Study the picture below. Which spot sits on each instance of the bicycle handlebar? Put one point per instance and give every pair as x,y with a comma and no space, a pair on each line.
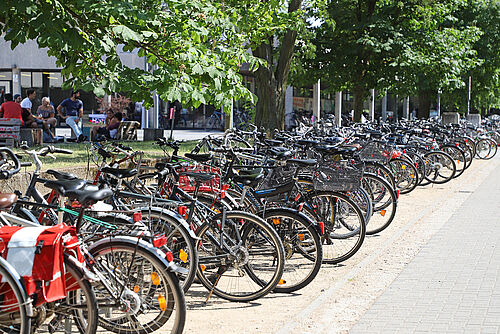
6,174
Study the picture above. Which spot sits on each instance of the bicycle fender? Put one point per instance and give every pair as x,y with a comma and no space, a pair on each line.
133,241
171,214
20,284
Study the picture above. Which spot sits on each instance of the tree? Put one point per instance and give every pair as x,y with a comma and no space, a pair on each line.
271,29
193,48
406,46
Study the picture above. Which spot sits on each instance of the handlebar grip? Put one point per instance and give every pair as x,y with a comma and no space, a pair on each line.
26,164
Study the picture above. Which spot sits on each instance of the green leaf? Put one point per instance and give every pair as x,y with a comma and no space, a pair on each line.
127,34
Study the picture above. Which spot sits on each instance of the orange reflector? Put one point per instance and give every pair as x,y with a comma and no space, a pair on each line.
281,282
276,221
412,176
301,237
403,167
136,289
183,255
155,278
382,212
203,267
162,303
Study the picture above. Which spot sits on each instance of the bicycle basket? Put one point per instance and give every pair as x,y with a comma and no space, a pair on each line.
374,152
187,183
277,176
338,177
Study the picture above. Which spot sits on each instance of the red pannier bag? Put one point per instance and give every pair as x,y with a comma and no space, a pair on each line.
37,255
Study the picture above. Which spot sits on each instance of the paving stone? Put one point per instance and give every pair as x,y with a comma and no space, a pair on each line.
453,284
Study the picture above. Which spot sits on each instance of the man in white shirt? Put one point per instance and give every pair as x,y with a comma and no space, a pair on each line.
26,103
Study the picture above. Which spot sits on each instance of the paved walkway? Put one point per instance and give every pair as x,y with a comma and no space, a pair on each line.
453,284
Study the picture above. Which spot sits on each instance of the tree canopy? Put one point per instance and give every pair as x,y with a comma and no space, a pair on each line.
193,47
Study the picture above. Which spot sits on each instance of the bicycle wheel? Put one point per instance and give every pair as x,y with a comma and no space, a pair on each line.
419,165
179,242
148,296
440,167
341,217
382,171
458,157
493,149
241,258
77,311
384,201
14,302
302,244
483,148
406,175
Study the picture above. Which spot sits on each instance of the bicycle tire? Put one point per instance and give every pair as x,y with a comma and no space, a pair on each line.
169,303
342,207
215,275
16,319
406,175
302,245
384,201
436,167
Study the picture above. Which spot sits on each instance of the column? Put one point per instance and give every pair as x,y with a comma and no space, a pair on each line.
316,101
338,109
406,107
16,81
371,106
384,107
231,115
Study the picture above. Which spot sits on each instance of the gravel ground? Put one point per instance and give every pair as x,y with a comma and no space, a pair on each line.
340,294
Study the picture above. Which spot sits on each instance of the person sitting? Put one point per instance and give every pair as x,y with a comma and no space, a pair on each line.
11,109
46,114
109,116
73,115
111,129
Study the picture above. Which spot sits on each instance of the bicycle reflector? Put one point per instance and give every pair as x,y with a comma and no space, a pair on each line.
159,241
137,217
225,187
170,256
322,227
182,210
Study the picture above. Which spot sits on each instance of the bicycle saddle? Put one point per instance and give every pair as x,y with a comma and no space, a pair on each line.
201,157
334,139
302,162
89,194
346,150
273,142
6,200
63,186
249,177
199,177
121,173
61,175
307,142
280,153
326,148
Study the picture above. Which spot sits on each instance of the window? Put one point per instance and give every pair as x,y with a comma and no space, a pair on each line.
26,79
55,79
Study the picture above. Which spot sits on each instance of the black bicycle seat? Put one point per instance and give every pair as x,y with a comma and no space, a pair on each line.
334,139
61,175
326,148
201,157
89,194
120,172
249,177
63,186
280,153
302,162
346,150
307,142
199,177
273,142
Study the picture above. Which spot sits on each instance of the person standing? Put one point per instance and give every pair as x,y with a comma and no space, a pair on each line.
73,108
27,102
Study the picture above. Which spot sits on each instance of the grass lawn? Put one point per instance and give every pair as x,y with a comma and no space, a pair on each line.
81,153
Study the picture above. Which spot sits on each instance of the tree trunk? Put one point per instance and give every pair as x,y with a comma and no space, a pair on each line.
359,95
424,103
272,79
